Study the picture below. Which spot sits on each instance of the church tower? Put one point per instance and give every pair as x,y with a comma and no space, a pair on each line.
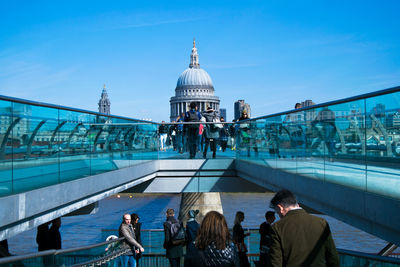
104,102
194,85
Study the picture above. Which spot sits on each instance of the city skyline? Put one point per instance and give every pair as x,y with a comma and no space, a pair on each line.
270,54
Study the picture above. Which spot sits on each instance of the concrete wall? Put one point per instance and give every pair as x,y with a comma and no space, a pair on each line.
377,215
26,210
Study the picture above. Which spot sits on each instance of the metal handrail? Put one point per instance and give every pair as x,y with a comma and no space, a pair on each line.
334,102
47,105
369,256
103,259
55,252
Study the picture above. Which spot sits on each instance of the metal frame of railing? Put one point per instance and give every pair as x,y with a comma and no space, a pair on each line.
42,104
54,252
385,259
108,257
330,103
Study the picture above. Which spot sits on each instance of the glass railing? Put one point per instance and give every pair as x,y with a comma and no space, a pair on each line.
154,255
176,140
353,142
101,252
42,144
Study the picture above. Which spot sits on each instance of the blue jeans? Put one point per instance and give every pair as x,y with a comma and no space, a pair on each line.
128,260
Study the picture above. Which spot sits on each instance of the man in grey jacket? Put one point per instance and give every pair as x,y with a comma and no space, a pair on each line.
126,230
211,132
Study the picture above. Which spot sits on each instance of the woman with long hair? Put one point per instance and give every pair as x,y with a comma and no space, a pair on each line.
213,245
238,239
137,228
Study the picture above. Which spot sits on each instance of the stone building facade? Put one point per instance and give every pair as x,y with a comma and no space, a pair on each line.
194,85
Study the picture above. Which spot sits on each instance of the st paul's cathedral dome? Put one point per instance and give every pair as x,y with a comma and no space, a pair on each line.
194,85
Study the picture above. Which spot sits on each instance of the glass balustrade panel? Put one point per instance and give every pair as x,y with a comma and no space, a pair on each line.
383,144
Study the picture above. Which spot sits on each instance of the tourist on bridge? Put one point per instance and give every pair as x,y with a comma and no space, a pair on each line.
213,246
265,238
172,135
136,229
211,132
163,132
173,244
238,239
223,135
192,226
42,236
126,230
300,239
180,134
192,130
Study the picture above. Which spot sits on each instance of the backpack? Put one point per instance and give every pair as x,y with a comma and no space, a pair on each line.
193,117
178,235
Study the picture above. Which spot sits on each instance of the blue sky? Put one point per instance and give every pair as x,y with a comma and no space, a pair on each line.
270,53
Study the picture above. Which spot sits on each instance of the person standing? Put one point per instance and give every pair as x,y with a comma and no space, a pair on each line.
192,130
298,238
223,135
232,134
211,133
213,246
192,226
54,234
172,135
265,237
163,131
180,134
137,226
238,239
126,230
42,237
174,251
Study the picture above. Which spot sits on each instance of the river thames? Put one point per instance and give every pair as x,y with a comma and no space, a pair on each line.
89,229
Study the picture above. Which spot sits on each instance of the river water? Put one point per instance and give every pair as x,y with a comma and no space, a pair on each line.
89,229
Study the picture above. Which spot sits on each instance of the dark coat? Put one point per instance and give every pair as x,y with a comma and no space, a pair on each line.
136,229
173,251
42,237
211,256
300,239
191,230
265,234
54,237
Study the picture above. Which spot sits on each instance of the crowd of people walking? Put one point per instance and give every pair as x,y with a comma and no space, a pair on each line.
297,239
198,137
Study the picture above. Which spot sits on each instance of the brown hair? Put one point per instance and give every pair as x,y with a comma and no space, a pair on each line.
170,212
213,228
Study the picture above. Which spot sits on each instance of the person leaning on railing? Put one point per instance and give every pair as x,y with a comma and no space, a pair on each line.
126,230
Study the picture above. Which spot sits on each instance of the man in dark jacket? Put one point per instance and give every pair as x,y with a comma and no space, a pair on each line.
54,236
192,129
265,237
174,252
300,239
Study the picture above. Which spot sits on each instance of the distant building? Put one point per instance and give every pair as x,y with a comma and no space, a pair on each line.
222,113
240,105
194,85
104,102
307,103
